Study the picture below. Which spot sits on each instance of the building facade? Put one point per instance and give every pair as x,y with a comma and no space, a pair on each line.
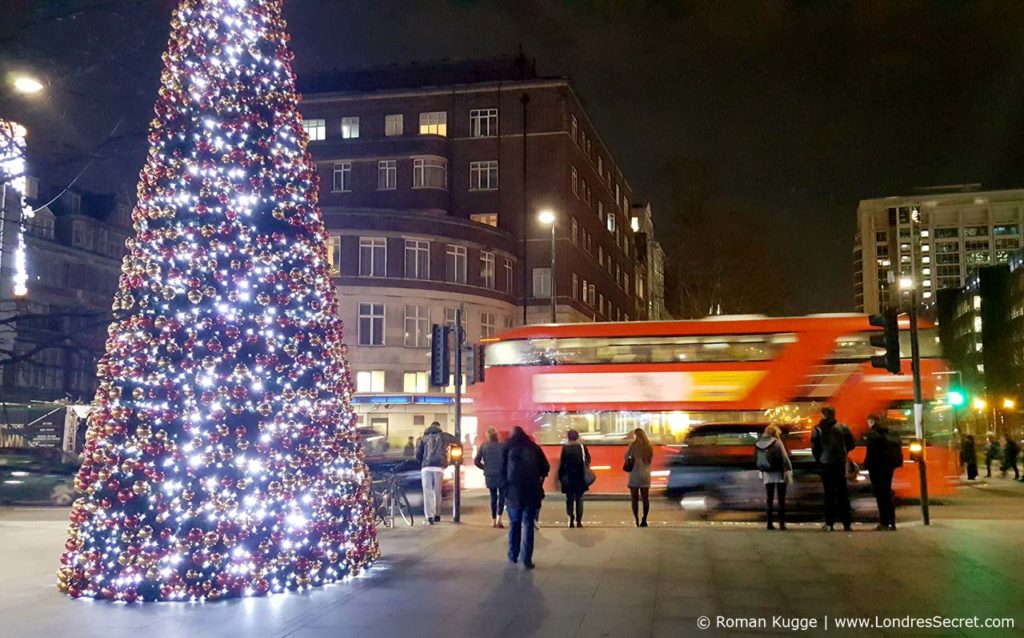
651,257
958,233
432,177
56,332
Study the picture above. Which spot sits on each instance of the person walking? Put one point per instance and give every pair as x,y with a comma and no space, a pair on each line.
432,453
638,460
573,466
1010,452
488,459
525,468
884,455
410,448
830,444
776,471
969,456
991,454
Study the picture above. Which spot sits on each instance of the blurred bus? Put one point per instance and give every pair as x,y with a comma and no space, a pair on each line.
606,379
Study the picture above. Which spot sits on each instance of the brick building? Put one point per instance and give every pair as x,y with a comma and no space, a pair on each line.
432,177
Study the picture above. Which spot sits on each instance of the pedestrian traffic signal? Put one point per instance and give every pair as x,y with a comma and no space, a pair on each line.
889,341
440,365
916,449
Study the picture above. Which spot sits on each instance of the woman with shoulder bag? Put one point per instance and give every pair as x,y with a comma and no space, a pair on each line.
776,471
575,476
638,460
489,459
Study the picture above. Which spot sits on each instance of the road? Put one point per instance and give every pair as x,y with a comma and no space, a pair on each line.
608,579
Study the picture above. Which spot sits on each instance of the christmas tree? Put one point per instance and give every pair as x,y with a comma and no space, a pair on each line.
223,460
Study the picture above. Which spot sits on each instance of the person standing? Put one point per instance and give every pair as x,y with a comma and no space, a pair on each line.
830,444
639,457
1010,452
776,471
410,448
991,454
432,453
488,459
969,456
884,455
525,468
572,469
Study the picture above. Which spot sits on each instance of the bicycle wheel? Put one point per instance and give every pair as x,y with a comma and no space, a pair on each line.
404,508
380,508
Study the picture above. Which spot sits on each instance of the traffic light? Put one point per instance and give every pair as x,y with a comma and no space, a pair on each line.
480,363
916,449
956,398
469,366
440,365
889,341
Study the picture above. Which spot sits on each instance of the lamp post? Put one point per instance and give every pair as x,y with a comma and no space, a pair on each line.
909,284
547,217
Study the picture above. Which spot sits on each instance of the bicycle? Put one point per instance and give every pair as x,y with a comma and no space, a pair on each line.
389,497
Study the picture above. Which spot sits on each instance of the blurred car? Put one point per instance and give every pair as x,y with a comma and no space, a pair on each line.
715,469
37,476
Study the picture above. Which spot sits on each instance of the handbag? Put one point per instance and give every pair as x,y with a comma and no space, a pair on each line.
588,474
627,465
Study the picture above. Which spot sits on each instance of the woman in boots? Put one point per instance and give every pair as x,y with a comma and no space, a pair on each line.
638,463
776,472
571,475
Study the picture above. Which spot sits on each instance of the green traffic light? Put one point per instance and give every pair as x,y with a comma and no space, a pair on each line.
956,398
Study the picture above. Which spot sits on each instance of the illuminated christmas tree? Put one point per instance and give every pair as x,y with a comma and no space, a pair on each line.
223,459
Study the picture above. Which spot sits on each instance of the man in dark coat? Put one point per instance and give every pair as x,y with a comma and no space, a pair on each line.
878,461
525,469
969,456
1010,451
830,443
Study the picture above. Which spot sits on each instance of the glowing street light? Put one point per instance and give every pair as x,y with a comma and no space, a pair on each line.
547,217
906,283
1009,404
27,85
980,404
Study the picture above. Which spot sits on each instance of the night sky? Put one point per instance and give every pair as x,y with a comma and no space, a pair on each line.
793,110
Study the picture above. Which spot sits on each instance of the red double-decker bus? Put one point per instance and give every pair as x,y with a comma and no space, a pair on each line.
606,379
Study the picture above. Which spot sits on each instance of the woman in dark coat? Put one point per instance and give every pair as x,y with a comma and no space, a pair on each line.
571,475
488,459
969,456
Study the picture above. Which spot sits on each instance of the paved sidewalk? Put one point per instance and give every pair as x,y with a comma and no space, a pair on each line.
605,580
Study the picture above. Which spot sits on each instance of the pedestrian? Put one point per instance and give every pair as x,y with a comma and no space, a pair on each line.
432,453
1010,452
831,442
991,454
573,466
410,448
776,471
969,456
488,459
467,448
638,460
884,455
525,468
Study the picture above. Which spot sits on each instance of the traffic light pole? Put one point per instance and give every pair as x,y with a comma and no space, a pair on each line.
457,497
915,362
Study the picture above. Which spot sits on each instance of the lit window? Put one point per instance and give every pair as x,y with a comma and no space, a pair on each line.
634,223
416,382
394,125
434,123
349,128
373,256
483,176
316,130
490,219
334,254
430,172
542,283
455,264
483,122
370,381
371,324
488,325
487,269
417,326
342,182
387,175
611,222
417,259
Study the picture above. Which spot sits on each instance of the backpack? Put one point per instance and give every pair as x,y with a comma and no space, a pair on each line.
770,459
893,449
435,450
522,467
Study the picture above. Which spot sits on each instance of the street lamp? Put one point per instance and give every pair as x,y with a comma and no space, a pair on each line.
1009,404
547,217
27,85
